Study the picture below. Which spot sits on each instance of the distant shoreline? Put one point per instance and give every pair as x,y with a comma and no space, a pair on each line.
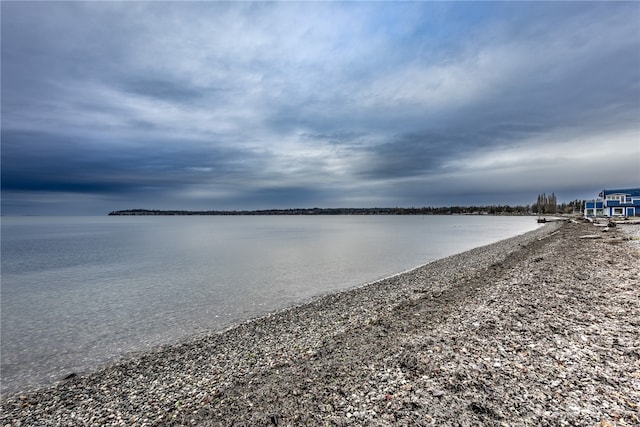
453,210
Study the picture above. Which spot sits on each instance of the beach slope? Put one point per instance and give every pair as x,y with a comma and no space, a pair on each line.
540,329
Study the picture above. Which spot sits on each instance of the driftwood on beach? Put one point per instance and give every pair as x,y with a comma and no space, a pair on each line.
540,329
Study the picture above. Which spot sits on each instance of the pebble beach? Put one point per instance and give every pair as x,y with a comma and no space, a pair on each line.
540,329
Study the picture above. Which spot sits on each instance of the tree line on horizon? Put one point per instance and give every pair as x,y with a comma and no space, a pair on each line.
549,205
449,210
545,204
427,210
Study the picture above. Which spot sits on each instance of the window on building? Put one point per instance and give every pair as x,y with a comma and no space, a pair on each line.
618,211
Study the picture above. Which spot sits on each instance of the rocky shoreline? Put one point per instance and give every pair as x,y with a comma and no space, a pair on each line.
540,329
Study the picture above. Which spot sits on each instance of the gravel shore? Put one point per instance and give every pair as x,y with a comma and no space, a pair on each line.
541,329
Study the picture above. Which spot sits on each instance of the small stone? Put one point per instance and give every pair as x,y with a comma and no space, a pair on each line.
437,392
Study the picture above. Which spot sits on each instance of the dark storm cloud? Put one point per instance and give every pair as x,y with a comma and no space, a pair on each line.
409,155
229,104
30,164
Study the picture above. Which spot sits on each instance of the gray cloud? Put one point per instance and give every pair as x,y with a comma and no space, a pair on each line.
55,163
364,103
163,90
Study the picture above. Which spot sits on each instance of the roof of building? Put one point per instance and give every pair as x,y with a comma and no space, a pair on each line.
633,192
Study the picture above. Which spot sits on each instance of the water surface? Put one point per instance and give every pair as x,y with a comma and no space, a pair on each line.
80,291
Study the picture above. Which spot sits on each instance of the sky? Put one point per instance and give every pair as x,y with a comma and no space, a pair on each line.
241,105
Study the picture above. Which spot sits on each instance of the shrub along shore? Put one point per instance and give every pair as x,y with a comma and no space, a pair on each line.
539,329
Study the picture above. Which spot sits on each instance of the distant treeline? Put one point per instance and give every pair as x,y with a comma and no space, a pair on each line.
543,205
450,210
549,205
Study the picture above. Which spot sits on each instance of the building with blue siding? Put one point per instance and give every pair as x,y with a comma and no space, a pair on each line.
621,202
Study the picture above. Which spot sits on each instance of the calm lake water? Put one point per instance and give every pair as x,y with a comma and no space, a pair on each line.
81,291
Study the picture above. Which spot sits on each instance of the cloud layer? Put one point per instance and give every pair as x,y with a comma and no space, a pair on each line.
109,105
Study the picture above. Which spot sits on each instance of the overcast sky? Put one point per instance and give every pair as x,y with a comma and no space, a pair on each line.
211,105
